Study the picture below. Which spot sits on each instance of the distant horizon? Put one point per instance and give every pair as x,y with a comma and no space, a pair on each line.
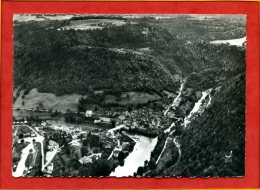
64,16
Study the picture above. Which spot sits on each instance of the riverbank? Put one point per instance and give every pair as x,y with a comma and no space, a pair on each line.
137,158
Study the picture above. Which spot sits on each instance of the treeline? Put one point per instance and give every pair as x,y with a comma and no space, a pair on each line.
85,17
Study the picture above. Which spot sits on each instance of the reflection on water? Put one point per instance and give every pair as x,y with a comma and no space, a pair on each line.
142,151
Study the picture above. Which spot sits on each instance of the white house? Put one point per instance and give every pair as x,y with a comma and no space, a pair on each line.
89,113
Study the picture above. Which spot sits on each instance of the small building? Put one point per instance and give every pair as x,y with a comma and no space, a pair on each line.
116,152
53,145
43,124
121,117
117,149
125,145
228,158
74,137
105,119
89,159
75,143
49,169
85,160
108,146
89,113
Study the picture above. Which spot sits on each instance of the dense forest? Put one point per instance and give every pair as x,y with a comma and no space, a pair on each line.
205,27
142,57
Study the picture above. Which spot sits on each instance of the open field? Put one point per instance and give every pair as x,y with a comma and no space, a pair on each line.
90,24
48,100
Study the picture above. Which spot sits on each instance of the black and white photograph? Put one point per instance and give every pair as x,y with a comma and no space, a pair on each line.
129,95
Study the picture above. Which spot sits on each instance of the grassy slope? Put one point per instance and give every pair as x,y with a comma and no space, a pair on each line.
48,100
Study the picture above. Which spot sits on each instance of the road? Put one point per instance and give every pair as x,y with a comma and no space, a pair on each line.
21,168
176,100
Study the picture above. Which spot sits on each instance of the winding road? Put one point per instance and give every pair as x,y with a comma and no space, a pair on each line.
176,100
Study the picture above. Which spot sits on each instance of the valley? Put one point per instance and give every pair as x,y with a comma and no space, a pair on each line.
127,96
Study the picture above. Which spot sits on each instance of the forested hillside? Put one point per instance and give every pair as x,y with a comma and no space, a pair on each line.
69,61
158,77
205,27
211,137
142,57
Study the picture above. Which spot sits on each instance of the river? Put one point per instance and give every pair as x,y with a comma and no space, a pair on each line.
144,145
142,152
235,42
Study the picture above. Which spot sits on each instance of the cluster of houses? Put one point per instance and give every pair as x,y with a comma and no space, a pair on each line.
109,139
121,147
64,130
56,134
142,119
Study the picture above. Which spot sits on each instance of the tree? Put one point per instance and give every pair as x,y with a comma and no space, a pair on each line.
113,123
82,105
121,156
29,158
85,142
95,150
86,170
140,171
102,168
152,165
93,140
41,106
84,151
20,136
67,150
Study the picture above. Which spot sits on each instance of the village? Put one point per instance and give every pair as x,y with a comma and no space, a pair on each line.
98,140
61,148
